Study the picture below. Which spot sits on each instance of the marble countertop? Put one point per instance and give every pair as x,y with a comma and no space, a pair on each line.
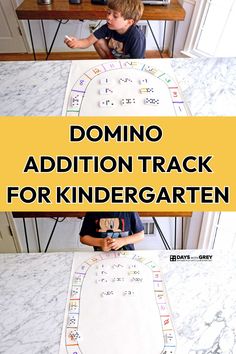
38,88
202,296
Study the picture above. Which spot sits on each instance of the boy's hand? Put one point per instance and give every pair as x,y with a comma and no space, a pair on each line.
117,243
106,244
71,42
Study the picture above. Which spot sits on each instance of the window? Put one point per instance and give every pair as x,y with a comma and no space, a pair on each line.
218,231
149,228
212,27
225,235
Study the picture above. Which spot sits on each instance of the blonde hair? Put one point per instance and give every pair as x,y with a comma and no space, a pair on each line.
129,9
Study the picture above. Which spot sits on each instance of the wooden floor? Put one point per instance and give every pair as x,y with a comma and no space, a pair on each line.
68,56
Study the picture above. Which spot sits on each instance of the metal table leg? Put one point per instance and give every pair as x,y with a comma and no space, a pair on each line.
37,232
26,236
31,38
44,37
164,36
175,236
173,40
48,52
163,39
167,247
54,38
50,237
153,35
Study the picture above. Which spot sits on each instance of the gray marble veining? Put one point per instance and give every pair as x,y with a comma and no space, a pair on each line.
208,85
32,301
38,88
33,88
202,296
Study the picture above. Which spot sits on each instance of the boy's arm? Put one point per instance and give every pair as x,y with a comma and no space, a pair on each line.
117,243
103,243
73,42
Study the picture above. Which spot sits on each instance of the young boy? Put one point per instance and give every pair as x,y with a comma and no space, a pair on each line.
107,231
119,37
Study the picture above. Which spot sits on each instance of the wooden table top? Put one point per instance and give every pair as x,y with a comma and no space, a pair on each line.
62,9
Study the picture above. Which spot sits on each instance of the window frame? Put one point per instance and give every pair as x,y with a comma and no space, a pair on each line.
200,12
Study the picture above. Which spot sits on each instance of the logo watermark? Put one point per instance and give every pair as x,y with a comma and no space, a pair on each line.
187,257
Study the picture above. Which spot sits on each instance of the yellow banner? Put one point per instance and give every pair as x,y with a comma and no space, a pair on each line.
117,163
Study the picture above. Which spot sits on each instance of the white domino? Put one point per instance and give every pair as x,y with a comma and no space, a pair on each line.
72,321
76,100
67,37
146,90
143,81
169,338
105,91
73,336
104,81
75,291
168,350
152,101
106,103
127,101
125,80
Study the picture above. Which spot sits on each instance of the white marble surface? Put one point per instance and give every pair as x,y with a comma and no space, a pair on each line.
33,88
202,296
32,301
38,88
208,85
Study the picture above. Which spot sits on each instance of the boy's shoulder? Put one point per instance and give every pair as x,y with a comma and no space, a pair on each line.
135,31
